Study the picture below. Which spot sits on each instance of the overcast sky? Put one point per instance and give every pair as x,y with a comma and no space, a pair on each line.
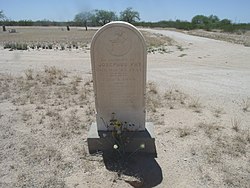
150,10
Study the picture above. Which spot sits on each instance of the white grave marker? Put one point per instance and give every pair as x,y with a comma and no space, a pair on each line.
118,58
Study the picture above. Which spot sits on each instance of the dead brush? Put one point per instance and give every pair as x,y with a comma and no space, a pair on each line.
210,129
152,88
52,113
29,74
234,146
154,40
74,123
247,133
153,102
90,112
183,132
218,111
7,84
76,80
174,98
26,116
83,96
53,75
195,104
212,154
246,105
236,123
153,98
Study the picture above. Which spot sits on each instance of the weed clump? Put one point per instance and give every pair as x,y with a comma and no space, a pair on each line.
16,46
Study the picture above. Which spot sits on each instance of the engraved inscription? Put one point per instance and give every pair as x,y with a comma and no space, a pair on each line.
117,42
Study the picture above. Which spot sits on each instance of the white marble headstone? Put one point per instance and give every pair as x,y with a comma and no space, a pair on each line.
119,60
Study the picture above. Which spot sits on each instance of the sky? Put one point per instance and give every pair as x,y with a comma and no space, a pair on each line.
238,11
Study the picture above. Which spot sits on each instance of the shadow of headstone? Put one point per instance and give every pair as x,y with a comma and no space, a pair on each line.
143,167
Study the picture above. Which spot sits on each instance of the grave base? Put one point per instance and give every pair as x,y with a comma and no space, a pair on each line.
103,140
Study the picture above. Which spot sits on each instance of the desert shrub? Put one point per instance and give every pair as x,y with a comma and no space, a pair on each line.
236,123
50,46
153,97
195,104
246,104
16,46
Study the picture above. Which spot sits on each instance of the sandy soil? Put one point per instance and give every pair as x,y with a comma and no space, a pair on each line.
198,97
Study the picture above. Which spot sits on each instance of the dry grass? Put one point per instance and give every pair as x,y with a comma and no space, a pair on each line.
246,105
218,111
153,100
51,114
236,123
157,40
195,104
58,38
210,129
182,55
243,39
226,155
183,132
175,98
45,134
48,35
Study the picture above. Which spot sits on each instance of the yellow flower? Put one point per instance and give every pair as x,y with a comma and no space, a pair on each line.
142,146
118,124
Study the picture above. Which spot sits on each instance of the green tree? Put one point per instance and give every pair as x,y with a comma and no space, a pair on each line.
213,19
200,20
129,15
83,18
2,16
227,26
225,22
102,16
2,20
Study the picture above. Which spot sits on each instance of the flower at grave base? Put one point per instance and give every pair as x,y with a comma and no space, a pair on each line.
115,146
118,124
142,146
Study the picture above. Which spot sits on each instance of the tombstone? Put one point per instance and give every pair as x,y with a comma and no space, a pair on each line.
119,61
4,28
68,29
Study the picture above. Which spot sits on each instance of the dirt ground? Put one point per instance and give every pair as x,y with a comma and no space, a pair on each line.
198,96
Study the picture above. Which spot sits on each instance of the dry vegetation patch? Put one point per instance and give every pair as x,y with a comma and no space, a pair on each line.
240,38
49,114
44,120
41,38
58,38
157,42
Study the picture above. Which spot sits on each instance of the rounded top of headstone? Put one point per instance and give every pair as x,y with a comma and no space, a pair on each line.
118,36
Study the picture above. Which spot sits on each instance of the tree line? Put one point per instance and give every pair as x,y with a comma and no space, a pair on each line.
102,17
87,18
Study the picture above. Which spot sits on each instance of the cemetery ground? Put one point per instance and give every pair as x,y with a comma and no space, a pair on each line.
198,96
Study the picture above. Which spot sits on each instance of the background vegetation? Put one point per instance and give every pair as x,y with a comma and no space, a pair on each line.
101,17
